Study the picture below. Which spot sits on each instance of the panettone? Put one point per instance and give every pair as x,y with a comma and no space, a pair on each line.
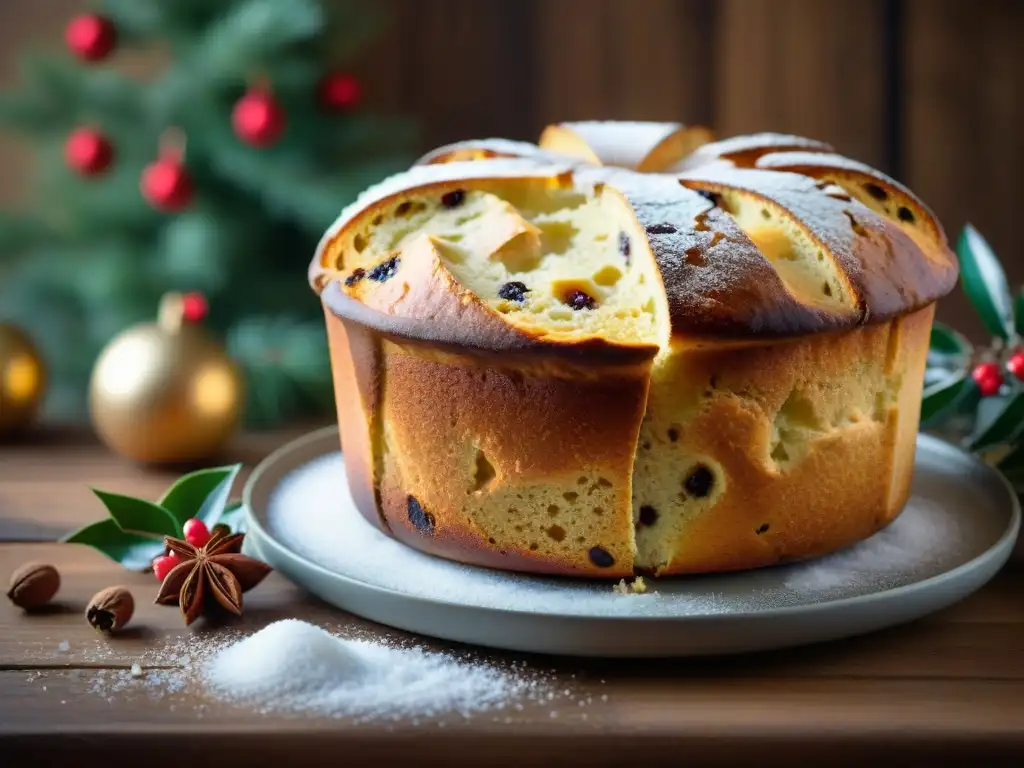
631,347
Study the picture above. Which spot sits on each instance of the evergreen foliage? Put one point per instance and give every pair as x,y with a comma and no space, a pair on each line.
92,257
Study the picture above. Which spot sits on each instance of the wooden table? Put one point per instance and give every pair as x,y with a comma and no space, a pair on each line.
949,687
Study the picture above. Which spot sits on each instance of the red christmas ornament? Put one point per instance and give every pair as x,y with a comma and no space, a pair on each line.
1015,364
339,91
193,310
88,152
258,118
988,378
90,37
167,184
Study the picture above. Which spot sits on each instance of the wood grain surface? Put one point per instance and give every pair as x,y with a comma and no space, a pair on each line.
949,686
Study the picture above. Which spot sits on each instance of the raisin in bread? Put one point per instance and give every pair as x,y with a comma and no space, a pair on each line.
631,347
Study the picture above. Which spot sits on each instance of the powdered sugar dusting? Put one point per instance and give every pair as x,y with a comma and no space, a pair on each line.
311,514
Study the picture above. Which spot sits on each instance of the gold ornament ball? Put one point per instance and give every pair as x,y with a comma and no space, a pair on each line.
166,392
23,378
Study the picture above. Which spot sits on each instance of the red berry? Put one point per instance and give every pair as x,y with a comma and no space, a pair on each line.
988,378
1015,365
90,37
339,91
196,532
193,308
259,119
88,152
164,564
167,184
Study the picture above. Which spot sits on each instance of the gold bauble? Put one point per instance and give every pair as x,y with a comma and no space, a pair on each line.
22,379
166,392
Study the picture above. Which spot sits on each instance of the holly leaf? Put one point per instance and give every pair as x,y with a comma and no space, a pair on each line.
138,515
1004,426
133,551
202,494
940,399
946,342
984,281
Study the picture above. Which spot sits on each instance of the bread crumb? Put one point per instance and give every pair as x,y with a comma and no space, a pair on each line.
136,670
636,587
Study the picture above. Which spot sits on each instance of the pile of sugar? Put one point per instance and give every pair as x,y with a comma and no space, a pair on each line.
312,514
292,666
296,668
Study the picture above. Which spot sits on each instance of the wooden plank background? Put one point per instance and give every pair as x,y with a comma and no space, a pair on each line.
931,91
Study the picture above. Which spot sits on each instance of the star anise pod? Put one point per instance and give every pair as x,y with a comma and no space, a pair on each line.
217,570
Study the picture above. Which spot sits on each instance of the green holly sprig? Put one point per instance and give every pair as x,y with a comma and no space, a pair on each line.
959,375
133,533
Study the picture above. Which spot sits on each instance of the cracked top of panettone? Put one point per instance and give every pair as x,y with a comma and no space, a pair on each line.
621,237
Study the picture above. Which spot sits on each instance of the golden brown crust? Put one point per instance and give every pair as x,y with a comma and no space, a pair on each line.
887,271
647,147
851,482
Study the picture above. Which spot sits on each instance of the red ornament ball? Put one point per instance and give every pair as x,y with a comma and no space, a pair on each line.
1015,364
339,91
88,152
258,119
164,564
90,37
194,309
988,378
167,184
196,532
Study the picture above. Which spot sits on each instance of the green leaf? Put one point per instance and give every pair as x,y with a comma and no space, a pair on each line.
202,494
1003,427
984,281
947,342
131,550
138,515
940,399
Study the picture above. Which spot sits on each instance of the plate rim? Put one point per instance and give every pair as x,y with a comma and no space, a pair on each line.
1000,550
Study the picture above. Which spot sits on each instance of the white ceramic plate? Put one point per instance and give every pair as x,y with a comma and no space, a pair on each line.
956,532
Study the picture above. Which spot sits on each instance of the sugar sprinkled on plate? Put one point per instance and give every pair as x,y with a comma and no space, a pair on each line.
310,512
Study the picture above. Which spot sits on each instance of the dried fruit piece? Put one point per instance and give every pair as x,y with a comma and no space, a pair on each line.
33,585
453,199
513,291
579,300
600,557
110,609
660,229
624,245
700,481
421,519
357,274
876,192
648,515
385,270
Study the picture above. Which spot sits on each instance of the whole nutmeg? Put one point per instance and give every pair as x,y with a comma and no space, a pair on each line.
110,609
33,585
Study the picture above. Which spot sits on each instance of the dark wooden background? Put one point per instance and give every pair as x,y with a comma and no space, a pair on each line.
931,91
